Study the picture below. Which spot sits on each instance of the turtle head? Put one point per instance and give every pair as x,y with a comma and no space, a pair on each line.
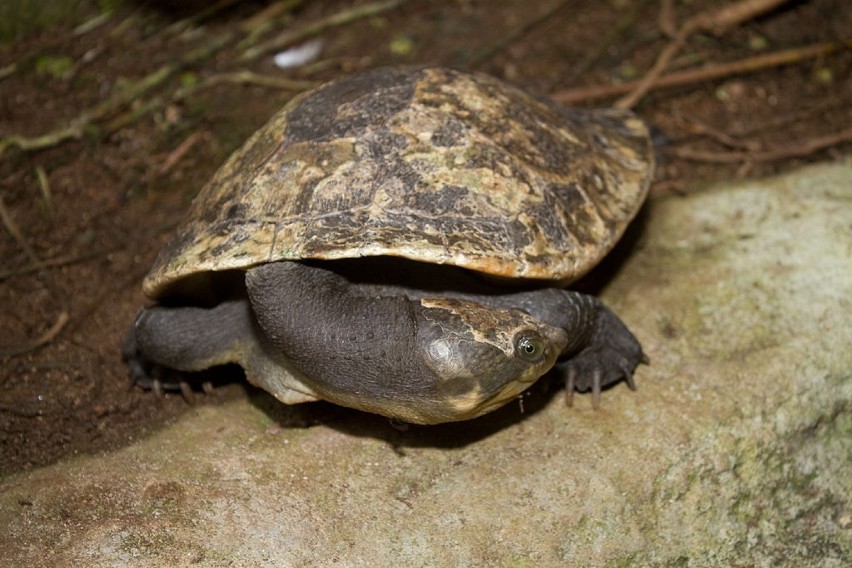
481,356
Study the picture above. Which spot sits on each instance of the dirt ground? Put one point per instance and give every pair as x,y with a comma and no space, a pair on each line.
155,102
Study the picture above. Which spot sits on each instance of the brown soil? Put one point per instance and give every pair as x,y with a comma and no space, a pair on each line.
110,197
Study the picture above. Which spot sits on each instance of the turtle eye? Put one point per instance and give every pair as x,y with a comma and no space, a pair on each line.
530,347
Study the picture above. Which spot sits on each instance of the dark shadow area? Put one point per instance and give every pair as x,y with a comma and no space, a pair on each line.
400,435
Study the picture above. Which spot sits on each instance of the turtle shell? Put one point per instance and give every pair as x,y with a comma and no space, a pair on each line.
430,164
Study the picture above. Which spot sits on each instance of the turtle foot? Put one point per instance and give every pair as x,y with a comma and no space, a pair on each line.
612,354
148,375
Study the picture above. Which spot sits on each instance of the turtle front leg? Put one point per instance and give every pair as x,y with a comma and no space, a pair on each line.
609,354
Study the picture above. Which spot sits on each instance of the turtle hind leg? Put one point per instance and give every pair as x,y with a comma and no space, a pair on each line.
611,354
149,375
165,346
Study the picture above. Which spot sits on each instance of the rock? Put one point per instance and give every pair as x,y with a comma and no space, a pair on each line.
736,449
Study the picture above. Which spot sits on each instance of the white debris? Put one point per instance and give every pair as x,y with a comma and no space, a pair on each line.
299,55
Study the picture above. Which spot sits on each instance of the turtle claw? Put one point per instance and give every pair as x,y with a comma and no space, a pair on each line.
596,389
628,378
611,355
570,382
591,370
186,392
148,375
152,378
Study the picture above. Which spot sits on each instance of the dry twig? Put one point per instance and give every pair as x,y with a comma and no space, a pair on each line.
246,77
810,111
19,411
265,20
489,51
45,338
8,70
706,73
98,116
118,100
178,153
93,23
16,234
716,22
44,187
696,127
290,37
53,263
626,22
666,20
182,93
798,150
84,120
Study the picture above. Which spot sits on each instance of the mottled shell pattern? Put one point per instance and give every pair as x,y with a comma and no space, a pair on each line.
430,164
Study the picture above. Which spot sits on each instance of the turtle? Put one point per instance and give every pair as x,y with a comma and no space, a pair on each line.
399,241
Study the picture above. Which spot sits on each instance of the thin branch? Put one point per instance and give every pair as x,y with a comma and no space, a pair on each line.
696,127
93,23
200,16
246,77
44,187
720,21
489,51
799,150
16,234
265,20
8,70
717,22
182,150
626,22
19,411
238,77
84,120
53,263
118,100
666,20
703,74
43,340
290,37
